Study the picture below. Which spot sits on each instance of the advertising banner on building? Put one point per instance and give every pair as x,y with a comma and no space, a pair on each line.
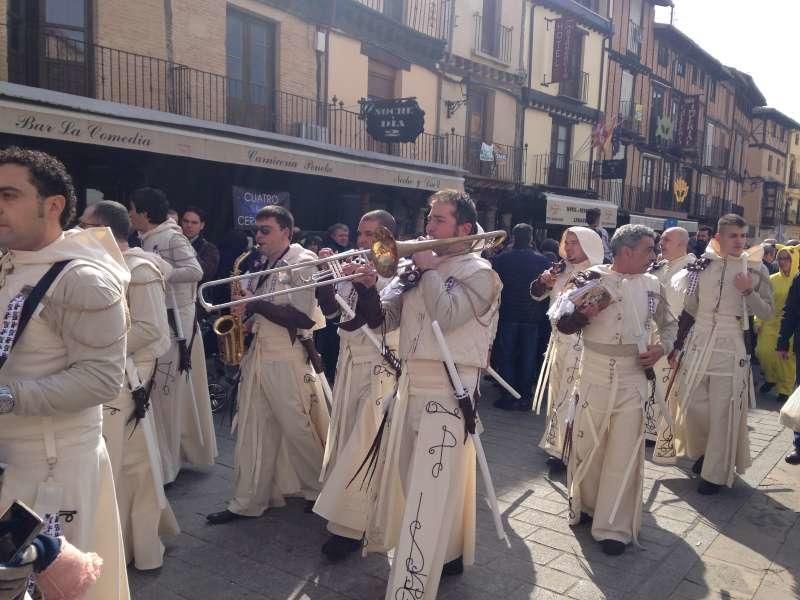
566,29
247,202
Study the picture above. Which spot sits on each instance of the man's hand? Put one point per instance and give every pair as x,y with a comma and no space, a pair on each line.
325,253
368,276
649,358
426,260
784,354
743,283
548,278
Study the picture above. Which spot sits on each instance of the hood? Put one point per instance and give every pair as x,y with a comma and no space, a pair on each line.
754,254
590,241
95,245
167,225
160,263
794,253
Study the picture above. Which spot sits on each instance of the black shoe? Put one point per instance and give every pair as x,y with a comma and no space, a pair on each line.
793,458
225,516
585,519
612,547
308,507
337,548
781,398
697,467
454,567
766,387
555,465
706,488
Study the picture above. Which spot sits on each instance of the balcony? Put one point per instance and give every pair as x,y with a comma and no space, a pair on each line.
431,17
103,73
495,161
794,180
706,208
717,158
492,39
634,38
576,88
558,170
631,123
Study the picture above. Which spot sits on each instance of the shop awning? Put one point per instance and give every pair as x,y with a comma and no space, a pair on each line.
570,210
662,223
53,115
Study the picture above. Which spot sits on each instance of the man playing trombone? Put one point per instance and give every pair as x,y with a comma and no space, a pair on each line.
281,407
431,521
364,377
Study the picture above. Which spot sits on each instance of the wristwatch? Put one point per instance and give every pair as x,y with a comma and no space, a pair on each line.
7,400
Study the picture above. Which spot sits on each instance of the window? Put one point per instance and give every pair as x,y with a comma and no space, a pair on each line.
381,80
702,78
250,58
774,129
695,74
712,90
783,134
779,167
797,139
626,94
769,163
560,149
709,144
593,5
663,55
680,68
648,169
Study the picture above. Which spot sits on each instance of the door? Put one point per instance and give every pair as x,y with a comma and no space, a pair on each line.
251,50
479,131
574,86
489,27
560,148
656,112
645,199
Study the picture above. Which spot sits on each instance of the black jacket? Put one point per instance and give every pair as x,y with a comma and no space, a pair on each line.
790,322
517,269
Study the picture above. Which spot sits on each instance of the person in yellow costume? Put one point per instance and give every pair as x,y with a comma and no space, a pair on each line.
778,373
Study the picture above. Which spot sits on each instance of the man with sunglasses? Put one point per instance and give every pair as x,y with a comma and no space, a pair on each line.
282,417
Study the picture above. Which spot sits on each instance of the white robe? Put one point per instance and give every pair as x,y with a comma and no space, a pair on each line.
181,405
66,364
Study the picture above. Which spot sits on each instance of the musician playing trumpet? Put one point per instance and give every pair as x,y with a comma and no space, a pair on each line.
365,376
282,413
580,249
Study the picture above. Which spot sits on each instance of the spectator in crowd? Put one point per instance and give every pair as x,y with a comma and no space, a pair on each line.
517,345
790,334
311,242
338,238
704,233
593,221
770,253
549,247
778,373
193,222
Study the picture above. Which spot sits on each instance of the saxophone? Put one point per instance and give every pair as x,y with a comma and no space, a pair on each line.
229,328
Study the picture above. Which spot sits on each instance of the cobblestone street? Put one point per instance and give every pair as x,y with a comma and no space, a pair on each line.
744,543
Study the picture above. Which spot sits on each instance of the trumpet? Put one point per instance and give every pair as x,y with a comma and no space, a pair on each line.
384,254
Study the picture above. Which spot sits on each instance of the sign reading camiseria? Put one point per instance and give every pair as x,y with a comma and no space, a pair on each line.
393,121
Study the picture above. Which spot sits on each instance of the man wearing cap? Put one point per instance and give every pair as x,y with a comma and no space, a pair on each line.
580,249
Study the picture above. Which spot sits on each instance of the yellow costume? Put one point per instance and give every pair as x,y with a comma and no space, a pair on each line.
776,370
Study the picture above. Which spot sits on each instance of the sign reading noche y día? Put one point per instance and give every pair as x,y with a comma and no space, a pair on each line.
67,125
399,120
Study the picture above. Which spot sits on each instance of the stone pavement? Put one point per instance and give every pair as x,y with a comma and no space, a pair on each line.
744,543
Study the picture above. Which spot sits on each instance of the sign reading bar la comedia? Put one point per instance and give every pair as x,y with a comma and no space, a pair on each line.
393,121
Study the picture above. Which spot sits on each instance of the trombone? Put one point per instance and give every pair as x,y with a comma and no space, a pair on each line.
384,254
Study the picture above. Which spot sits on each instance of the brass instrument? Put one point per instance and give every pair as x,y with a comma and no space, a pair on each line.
229,328
384,255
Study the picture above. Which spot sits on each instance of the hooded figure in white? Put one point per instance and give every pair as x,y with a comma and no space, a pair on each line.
68,361
580,249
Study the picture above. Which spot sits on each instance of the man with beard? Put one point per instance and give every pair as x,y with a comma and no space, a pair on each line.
364,378
62,351
145,513
424,503
714,385
580,249
626,327
181,405
704,234
282,417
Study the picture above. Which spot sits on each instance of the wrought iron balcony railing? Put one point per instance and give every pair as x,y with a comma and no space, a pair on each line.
493,39
558,170
716,157
634,38
706,208
794,180
630,118
431,17
113,75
